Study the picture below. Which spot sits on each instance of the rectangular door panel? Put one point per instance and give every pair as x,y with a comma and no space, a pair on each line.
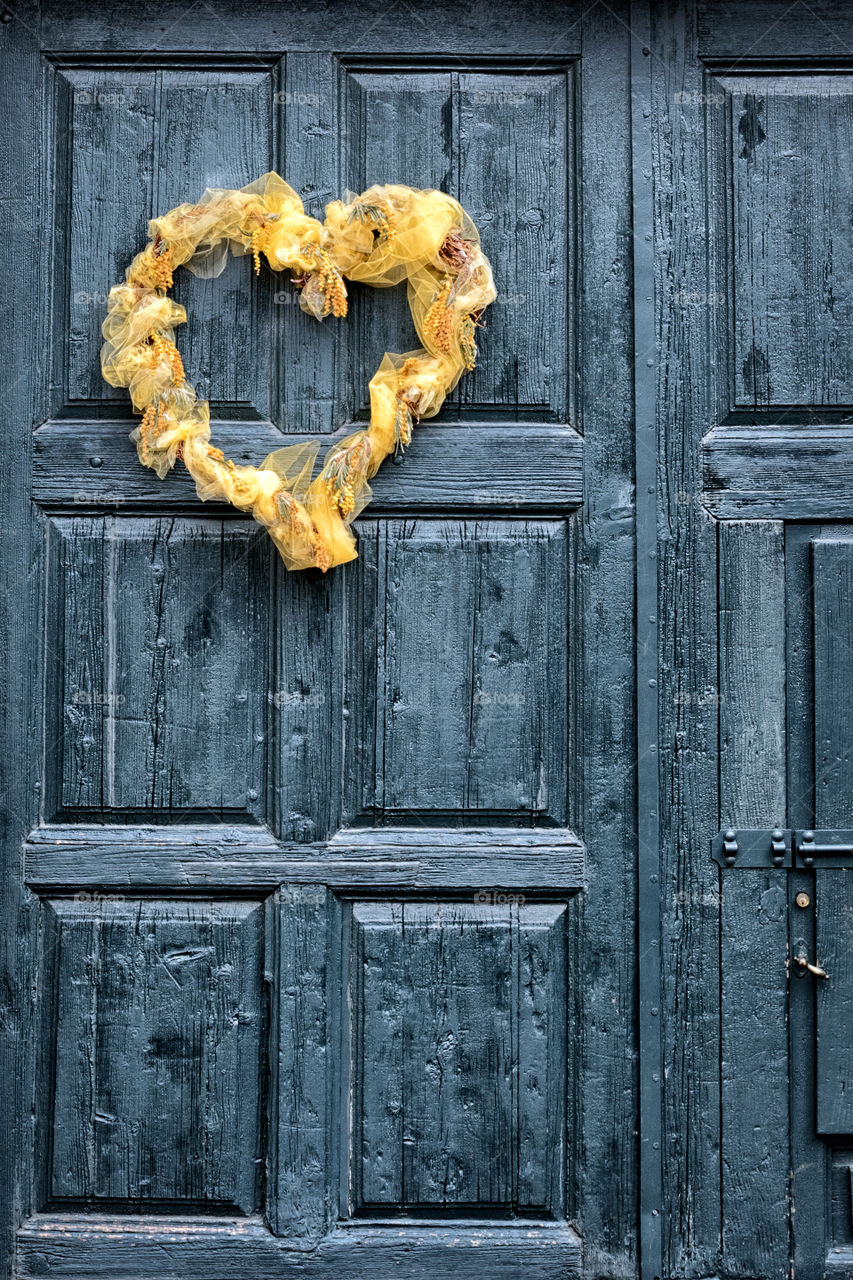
460,1056
157,669
465,616
832,559
155,1054
834,949
132,142
783,136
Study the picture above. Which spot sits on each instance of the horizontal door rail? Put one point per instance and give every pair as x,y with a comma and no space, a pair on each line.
507,468
800,472
489,862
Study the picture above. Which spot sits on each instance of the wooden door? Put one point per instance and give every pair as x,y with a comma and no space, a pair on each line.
323,887
753,106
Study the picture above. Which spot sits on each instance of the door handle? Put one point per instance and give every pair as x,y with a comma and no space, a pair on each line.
804,965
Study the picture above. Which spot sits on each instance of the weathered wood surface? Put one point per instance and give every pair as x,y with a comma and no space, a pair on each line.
448,466
158,631
832,594
602,737
518,124
790,308
753,904
197,1249
138,143
196,762
688,711
809,1192
157,1066
774,29
375,674
301,923
771,400
482,729
196,857
752,674
779,472
477,130
459,1017
834,952
481,29
22,277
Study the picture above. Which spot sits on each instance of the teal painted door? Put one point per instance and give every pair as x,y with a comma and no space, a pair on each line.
753,108
309,981
453,912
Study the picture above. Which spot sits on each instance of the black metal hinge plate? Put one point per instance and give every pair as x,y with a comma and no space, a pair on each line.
756,848
751,847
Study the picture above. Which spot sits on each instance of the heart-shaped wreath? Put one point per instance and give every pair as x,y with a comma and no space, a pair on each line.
387,235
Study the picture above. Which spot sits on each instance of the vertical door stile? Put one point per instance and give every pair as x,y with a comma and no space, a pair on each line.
648,830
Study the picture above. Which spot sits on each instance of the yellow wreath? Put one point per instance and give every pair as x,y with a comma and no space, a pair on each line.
386,235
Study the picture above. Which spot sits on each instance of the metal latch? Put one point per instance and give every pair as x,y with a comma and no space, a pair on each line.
802,963
751,847
830,845
756,848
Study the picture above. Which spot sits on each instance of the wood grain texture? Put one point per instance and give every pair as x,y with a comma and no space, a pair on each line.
187,856
215,129
832,567
106,124
23,275
307,134
809,1193
687,612
383,110
481,28
755,1150
138,143
779,472
157,1055
516,160
834,946
124,1249
753,904
602,1186
468,623
306,713
752,674
539,582
841,1190
159,634
459,1012
773,29
791,255
482,127
300,923
479,467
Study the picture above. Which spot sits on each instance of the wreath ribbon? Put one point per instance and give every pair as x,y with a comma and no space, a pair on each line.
382,237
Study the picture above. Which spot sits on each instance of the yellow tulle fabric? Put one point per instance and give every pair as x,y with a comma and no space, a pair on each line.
384,236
